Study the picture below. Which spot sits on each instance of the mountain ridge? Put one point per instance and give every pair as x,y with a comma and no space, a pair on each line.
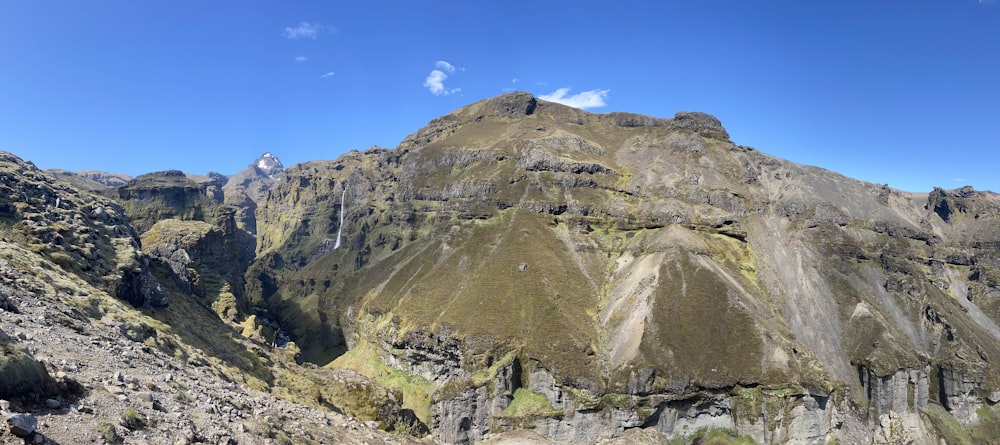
516,160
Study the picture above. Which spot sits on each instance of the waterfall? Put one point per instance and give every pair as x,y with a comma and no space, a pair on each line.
340,229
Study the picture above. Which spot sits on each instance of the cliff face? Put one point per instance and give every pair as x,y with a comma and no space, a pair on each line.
634,272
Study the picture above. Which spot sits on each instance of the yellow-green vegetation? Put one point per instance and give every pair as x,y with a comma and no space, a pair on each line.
225,304
249,328
716,436
131,419
986,430
109,433
529,404
416,390
347,391
175,231
747,403
510,267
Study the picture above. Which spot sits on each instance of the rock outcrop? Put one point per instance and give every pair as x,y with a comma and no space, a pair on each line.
83,233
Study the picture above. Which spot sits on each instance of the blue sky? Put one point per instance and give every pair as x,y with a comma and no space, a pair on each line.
904,92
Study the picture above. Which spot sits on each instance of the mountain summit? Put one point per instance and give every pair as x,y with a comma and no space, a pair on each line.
269,165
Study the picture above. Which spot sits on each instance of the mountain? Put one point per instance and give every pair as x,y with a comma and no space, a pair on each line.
625,271
519,271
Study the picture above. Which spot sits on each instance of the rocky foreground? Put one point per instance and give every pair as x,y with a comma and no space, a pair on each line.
71,377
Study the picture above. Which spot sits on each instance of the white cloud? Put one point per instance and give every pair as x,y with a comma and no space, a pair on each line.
583,99
442,65
300,59
435,80
328,75
304,30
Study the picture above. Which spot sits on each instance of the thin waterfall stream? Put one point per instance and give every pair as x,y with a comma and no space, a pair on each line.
340,229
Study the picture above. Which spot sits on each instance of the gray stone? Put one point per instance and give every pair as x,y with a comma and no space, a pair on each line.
22,425
52,403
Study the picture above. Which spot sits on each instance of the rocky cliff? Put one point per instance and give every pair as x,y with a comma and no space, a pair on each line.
620,271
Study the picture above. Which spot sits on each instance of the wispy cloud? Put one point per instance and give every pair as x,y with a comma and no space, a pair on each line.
300,59
987,2
583,99
513,82
442,65
328,75
304,30
435,80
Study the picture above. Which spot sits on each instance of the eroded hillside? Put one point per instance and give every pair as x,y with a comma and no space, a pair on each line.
635,272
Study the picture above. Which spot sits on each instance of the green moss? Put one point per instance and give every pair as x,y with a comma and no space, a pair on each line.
716,436
109,433
416,390
527,403
748,403
988,428
175,231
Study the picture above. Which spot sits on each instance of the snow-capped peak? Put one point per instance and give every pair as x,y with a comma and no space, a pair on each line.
269,164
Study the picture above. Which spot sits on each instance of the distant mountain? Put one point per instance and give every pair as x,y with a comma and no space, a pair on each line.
108,179
92,180
268,165
248,187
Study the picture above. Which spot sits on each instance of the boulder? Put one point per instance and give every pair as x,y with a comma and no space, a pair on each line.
22,425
